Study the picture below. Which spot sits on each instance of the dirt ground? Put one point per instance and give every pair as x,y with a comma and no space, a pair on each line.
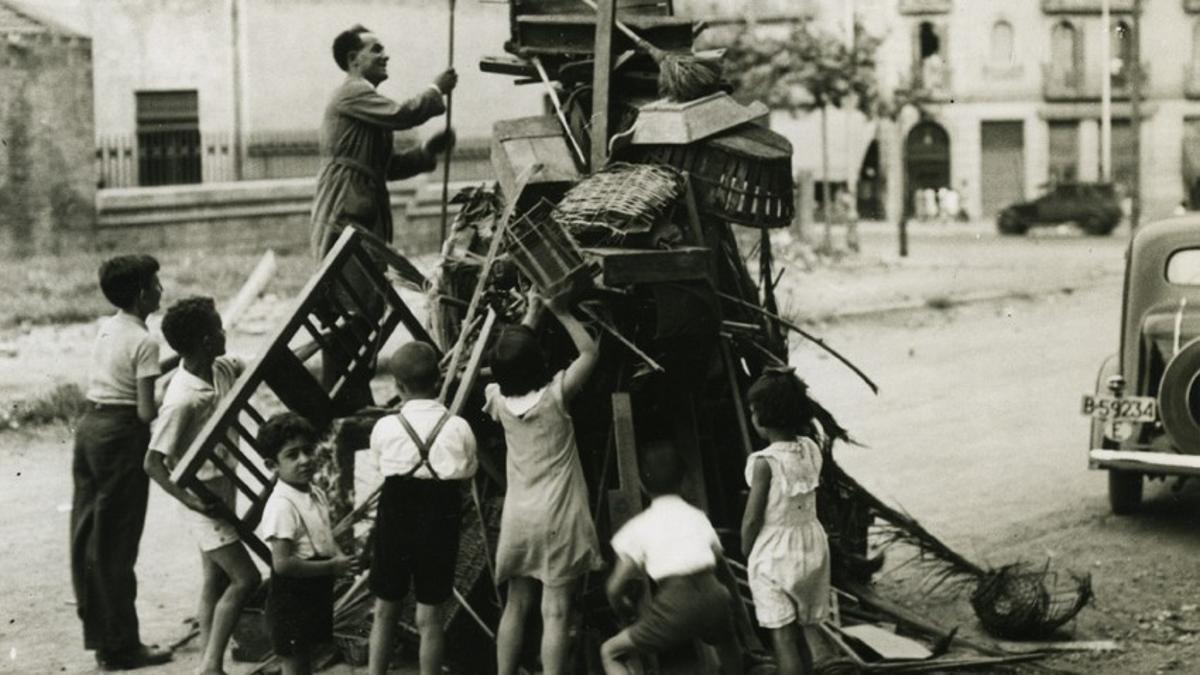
981,347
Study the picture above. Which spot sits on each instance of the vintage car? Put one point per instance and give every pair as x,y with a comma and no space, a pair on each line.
1146,407
1092,206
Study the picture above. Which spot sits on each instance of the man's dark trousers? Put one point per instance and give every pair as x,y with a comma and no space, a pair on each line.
107,518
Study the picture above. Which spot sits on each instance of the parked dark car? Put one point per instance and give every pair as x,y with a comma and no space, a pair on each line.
1146,407
1092,206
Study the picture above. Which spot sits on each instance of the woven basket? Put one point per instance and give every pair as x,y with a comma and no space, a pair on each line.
1023,602
622,199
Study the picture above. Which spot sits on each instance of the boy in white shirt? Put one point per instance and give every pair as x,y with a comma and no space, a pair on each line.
305,559
425,455
673,543
192,327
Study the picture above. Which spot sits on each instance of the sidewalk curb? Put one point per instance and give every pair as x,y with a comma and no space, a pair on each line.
944,302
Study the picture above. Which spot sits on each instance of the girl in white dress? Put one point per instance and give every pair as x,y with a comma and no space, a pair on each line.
785,546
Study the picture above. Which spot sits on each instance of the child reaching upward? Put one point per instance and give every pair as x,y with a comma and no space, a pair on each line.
547,537
193,328
305,559
785,546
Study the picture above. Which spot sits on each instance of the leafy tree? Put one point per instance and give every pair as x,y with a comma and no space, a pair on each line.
805,68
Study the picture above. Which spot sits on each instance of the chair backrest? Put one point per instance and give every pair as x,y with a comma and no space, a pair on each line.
332,312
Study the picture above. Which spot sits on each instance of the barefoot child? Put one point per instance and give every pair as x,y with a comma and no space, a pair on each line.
108,510
192,327
547,537
673,543
305,559
425,455
785,546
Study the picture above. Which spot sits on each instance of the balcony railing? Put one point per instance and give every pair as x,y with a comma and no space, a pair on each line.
925,6
1084,6
1084,84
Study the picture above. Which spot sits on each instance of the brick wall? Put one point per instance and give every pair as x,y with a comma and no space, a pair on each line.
47,174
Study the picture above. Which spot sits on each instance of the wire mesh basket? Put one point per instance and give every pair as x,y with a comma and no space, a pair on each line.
1025,602
622,199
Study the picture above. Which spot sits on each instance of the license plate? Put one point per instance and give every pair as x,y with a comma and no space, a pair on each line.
1122,409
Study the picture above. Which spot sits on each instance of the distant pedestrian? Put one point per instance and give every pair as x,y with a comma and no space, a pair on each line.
305,559
784,543
192,327
547,537
674,544
358,160
108,510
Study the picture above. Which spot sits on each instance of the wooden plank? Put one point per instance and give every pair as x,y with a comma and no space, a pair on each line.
526,127
634,266
625,501
296,387
606,12
484,272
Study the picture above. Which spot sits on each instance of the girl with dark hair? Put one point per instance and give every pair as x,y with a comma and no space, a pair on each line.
547,537
786,549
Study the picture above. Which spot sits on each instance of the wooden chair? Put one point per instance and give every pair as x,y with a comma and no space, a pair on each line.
347,310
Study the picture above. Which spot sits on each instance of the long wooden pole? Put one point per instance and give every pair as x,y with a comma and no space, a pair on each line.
606,14
449,148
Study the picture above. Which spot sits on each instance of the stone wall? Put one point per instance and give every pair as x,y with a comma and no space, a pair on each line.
47,174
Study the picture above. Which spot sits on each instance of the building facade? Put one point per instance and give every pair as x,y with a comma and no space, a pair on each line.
47,187
1016,99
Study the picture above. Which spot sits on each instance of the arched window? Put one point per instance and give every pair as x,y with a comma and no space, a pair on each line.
1064,53
1002,43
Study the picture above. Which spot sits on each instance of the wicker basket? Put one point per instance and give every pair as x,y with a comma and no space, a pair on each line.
622,199
743,176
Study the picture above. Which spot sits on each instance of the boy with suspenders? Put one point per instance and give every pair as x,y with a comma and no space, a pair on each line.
424,454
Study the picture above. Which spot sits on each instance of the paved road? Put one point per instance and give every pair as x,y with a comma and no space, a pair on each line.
976,426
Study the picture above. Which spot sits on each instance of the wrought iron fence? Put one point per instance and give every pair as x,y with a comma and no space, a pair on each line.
163,157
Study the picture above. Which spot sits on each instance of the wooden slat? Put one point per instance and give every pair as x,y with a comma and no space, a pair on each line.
634,266
624,502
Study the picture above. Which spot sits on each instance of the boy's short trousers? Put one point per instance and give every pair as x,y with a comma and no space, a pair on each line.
416,539
684,608
299,612
211,534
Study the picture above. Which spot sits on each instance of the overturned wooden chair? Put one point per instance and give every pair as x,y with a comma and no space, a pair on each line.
348,310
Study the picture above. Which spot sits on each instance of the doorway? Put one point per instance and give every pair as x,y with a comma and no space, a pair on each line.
926,160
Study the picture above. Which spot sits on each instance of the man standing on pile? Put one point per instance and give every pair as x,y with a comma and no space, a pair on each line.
358,160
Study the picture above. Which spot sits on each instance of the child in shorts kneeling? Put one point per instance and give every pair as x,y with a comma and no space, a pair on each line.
673,543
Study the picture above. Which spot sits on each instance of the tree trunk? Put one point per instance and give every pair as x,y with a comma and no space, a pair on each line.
827,245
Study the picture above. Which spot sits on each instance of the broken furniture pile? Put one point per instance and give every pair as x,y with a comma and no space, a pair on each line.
643,243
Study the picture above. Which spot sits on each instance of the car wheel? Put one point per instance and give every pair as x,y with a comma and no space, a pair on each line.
1124,491
1097,226
1010,223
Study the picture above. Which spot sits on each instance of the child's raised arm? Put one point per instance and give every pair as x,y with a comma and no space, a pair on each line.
581,368
756,505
